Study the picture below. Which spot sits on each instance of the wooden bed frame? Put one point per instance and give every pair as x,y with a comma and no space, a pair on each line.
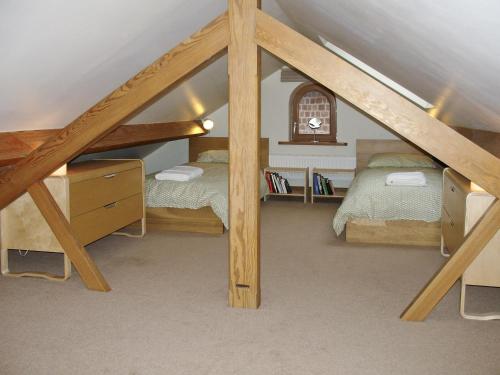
202,220
392,232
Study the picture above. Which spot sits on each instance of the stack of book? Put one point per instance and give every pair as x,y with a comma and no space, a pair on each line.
322,185
278,184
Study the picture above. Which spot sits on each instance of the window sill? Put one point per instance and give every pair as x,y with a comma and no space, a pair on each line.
311,143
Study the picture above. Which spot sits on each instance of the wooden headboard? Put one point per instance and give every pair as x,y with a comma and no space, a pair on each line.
200,144
365,148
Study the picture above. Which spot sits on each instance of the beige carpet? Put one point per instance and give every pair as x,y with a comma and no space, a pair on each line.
327,308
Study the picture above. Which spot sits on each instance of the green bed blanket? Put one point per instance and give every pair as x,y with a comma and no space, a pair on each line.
370,198
210,189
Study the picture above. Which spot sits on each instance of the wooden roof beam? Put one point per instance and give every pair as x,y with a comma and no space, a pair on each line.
109,112
410,122
14,146
380,102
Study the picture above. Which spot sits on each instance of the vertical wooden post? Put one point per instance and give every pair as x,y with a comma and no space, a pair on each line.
244,135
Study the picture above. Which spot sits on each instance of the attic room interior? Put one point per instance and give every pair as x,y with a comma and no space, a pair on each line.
246,186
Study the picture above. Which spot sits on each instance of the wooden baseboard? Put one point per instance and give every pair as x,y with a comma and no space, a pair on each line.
202,220
394,232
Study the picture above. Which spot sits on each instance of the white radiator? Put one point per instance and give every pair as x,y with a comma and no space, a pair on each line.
302,161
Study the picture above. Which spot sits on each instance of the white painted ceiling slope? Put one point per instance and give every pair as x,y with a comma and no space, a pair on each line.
447,51
60,57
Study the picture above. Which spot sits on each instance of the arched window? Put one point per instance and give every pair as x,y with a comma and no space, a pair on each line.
313,114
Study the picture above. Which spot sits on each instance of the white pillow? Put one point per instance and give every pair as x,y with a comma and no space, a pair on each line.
214,156
400,160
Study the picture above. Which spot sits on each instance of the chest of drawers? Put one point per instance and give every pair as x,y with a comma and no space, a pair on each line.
463,205
97,197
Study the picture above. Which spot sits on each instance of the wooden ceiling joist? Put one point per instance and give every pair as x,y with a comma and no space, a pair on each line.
109,112
407,120
14,146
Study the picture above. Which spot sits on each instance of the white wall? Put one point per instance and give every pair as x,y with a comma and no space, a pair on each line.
155,157
351,124
167,156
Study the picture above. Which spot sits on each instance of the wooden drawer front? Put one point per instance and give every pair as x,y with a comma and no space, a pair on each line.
95,224
453,199
97,192
453,232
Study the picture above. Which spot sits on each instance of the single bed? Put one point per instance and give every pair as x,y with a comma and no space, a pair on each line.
200,205
374,213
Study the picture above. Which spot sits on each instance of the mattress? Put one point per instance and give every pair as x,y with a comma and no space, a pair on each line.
210,189
370,198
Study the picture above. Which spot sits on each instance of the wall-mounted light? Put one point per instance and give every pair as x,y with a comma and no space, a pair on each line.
208,124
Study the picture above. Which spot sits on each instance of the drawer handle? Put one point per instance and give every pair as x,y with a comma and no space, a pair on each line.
111,205
111,175
452,189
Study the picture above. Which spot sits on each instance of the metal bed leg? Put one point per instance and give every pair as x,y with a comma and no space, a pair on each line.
126,234
43,275
486,316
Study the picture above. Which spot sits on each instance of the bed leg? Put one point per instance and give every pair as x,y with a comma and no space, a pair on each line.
140,235
443,252
487,316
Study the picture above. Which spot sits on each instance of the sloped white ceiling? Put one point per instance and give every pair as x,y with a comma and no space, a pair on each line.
447,51
60,57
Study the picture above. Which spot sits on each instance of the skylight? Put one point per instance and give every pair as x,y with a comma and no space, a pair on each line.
376,74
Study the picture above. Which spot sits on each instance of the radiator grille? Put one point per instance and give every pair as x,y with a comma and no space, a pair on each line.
301,161
312,161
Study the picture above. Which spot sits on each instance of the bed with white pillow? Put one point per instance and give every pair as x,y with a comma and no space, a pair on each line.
198,203
395,197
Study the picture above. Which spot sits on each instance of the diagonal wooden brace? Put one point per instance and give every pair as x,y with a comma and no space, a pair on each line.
380,102
89,273
410,122
106,115
444,279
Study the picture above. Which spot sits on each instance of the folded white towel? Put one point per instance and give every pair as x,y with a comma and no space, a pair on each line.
179,173
406,179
